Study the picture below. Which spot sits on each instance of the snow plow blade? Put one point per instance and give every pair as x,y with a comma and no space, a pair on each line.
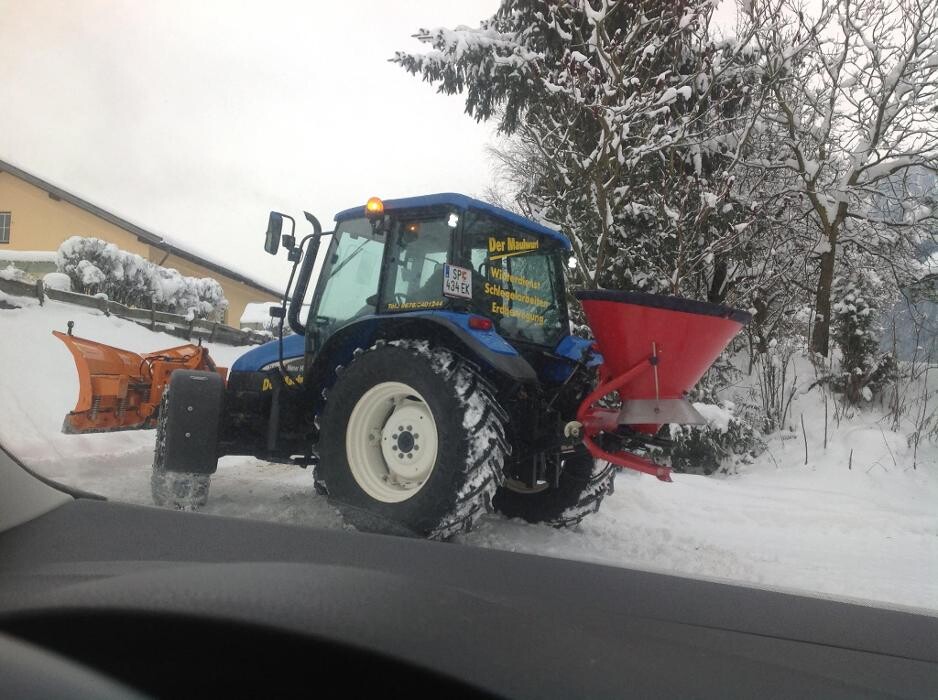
655,349
121,390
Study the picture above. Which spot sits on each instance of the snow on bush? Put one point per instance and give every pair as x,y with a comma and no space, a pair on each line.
57,280
257,317
723,441
89,274
98,267
729,435
864,370
11,272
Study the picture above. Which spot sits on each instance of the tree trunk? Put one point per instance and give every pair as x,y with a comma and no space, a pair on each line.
715,293
601,202
820,337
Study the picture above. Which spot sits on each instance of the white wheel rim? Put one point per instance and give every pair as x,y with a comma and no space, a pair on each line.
391,442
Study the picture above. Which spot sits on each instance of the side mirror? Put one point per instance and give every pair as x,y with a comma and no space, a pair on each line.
274,229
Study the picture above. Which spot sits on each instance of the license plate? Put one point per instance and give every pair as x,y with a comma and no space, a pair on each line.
457,281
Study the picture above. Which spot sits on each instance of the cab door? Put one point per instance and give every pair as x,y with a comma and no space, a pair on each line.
348,283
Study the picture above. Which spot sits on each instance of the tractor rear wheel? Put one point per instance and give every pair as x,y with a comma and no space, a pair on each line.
412,442
583,485
180,490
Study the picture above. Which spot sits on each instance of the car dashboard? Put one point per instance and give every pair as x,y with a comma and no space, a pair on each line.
164,603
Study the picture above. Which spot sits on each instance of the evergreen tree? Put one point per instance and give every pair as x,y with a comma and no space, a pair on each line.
617,108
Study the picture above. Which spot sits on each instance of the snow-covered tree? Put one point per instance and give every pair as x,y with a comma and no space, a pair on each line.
850,97
860,299
614,106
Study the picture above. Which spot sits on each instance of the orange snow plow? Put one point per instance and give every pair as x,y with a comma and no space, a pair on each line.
121,390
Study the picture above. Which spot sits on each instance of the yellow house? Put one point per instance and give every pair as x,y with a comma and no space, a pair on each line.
38,216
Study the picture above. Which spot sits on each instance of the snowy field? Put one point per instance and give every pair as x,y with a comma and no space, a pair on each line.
865,533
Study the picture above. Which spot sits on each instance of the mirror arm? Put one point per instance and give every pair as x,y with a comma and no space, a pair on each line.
302,283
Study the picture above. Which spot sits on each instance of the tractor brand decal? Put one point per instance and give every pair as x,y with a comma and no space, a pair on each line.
267,385
414,305
511,246
457,281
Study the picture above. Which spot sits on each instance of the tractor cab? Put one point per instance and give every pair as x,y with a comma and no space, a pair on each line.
439,254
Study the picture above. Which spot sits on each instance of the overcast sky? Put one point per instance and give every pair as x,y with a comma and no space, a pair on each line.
194,119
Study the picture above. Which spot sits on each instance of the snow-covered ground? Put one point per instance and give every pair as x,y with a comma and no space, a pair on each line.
869,532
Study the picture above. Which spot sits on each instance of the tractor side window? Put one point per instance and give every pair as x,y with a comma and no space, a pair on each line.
419,249
350,275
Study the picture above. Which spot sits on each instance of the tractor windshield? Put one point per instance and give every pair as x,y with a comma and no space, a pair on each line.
348,283
521,277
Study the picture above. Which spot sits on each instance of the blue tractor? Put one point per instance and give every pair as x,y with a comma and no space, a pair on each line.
422,380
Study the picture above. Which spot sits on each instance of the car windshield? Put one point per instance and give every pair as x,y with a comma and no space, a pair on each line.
653,285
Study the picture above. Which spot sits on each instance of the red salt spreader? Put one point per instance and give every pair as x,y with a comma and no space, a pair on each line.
655,349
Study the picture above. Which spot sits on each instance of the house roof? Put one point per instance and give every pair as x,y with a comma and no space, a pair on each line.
153,239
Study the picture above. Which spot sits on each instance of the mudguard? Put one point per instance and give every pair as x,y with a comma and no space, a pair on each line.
448,328
194,415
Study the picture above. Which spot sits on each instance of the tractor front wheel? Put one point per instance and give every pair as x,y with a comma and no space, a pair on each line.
411,442
583,485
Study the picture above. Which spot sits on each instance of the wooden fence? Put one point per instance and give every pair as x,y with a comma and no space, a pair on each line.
173,324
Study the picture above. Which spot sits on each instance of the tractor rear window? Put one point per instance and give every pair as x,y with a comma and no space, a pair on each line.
521,286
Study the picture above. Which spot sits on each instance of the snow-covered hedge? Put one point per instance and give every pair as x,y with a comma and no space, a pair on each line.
11,272
97,267
724,441
57,280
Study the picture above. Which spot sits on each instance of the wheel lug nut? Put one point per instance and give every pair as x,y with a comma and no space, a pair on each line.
410,427
394,437
416,447
400,456
400,428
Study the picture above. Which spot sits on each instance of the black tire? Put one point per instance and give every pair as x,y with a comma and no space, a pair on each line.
584,483
179,490
471,447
